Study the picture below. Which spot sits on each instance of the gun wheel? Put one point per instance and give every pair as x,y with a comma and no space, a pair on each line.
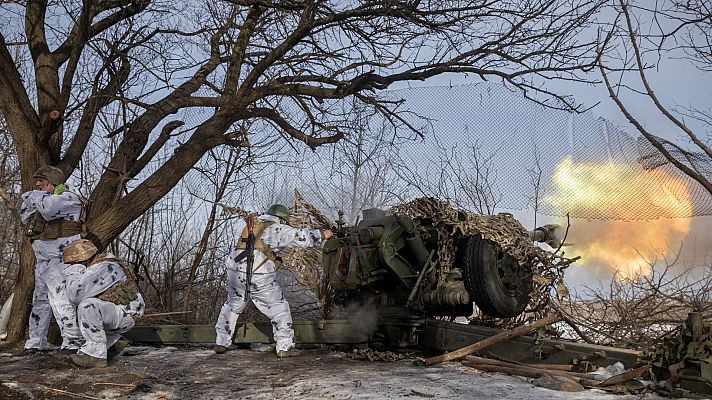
499,286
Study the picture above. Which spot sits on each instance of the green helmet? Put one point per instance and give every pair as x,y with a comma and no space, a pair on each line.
54,175
280,211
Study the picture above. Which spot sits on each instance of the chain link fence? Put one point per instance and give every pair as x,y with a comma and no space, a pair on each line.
483,148
480,147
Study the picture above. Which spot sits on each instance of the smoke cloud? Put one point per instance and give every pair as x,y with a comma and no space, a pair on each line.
608,248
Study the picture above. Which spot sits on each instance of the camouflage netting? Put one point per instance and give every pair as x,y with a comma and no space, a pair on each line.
306,263
504,230
679,350
376,355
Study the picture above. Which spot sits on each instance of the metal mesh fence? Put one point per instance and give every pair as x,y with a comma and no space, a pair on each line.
486,147
483,148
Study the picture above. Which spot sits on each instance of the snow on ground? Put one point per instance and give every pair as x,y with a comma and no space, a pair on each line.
198,373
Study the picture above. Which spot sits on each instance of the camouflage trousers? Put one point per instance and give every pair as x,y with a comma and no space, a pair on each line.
50,297
267,296
102,324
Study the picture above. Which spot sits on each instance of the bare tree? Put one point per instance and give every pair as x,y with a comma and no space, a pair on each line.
232,163
465,176
678,29
640,310
9,198
360,172
279,64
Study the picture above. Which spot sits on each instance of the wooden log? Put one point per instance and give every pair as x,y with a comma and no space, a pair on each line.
486,361
553,367
555,382
529,372
484,343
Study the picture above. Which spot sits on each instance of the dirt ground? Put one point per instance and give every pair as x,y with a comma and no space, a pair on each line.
198,373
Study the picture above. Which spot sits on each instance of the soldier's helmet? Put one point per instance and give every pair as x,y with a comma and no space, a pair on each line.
54,175
78,251
280,211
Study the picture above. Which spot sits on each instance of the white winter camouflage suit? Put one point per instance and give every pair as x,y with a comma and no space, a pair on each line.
49,295
265,293
102,322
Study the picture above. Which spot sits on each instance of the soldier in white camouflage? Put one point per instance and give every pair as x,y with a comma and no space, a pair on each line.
272,236
51,215
107,298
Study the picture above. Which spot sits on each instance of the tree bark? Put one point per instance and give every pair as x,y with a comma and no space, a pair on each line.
24,287
104,226
31,157
199,253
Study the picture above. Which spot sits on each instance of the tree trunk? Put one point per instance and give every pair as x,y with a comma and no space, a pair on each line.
30,158
107,224
202,247
24,287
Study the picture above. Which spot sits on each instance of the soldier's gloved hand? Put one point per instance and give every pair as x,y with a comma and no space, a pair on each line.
46,187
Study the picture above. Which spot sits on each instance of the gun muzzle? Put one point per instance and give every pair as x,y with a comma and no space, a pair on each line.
549,234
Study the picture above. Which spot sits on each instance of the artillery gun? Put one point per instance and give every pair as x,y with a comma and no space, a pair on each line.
400,262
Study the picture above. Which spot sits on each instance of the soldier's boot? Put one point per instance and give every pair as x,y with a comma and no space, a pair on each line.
220,349
87,361
116,348
288,353
29,352
66,351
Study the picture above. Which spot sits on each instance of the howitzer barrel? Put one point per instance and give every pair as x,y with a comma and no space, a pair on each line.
548,234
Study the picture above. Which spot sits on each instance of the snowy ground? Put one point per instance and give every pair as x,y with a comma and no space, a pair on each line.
198,373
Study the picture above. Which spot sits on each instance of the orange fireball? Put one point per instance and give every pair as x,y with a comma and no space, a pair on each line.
621,194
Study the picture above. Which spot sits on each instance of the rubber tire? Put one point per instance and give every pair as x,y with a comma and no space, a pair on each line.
482,260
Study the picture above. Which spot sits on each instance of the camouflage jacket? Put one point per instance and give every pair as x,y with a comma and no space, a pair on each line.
107,278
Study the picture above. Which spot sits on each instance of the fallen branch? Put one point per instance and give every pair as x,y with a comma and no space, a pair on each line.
487,361
68,393
572,323
528,372
484,343
555,367
578,383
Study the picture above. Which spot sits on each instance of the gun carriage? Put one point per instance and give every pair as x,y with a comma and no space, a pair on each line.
430,268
